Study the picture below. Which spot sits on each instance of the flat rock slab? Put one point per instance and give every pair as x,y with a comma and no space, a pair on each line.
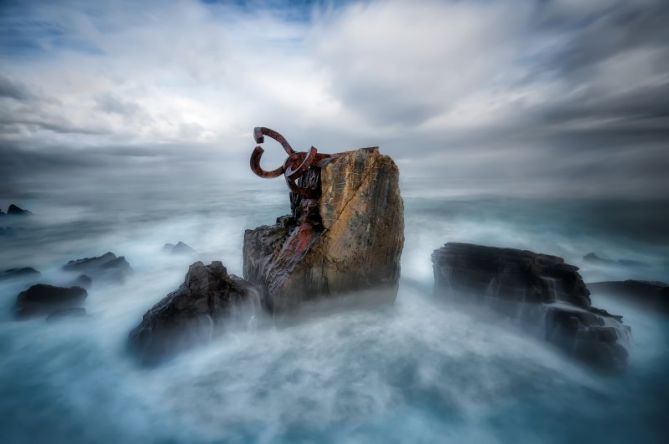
107,267
648,294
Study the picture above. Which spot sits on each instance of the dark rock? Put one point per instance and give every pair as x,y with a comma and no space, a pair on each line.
18,273
541,293
194,313
595,259
648,294
75,312
14,210
82,281
46,299
107,267
347,239
179,248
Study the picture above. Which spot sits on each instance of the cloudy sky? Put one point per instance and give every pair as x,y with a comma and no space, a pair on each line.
510,96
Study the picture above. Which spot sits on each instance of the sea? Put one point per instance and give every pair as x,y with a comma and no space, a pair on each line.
418,371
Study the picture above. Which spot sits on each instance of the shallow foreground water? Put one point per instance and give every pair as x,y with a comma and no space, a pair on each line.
418,371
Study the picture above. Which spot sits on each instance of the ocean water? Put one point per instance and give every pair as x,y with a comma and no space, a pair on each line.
418,371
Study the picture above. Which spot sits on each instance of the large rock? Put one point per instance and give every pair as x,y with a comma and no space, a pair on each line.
179,248
541,293
107,267
46,299
347,239
194,313
648,294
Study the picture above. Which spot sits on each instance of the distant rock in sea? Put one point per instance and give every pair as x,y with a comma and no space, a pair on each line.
541,293
194,313
18,273
595,259
653,295
346,238
107,267
82,281
14,210
179,248
41,299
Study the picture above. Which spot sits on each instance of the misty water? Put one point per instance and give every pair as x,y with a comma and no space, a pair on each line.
418,371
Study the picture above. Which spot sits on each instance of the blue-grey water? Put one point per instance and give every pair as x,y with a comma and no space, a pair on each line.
419,371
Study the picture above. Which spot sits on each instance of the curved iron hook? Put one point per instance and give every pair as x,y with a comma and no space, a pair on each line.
259,131
256,168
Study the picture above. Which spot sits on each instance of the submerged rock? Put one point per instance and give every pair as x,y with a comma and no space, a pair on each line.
179,248
65,313
14,210
348,238
595,259
18,273
46,299
194,313
542,293
648,294
107,267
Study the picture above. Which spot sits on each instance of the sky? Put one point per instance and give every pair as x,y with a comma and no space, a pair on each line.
509,97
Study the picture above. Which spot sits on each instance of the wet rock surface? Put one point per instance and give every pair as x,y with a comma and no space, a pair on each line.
346,238
108,267
193,314
652,295
15,210
41,299
541,293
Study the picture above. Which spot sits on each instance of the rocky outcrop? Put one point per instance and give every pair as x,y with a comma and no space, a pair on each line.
347,237
14,210
179,248
541,293
46,299
82,281
107,267
19,273
195,313
648,294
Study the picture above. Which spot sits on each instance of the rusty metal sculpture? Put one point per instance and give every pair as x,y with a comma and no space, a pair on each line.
295,166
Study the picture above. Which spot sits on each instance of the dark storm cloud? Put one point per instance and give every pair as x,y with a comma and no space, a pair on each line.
507,96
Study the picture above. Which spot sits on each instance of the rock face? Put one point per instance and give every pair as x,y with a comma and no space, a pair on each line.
47,299
346,239
18,273
542,293
596,259
107,267
649,294
194,313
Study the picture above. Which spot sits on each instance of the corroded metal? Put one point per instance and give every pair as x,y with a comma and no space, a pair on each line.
295,166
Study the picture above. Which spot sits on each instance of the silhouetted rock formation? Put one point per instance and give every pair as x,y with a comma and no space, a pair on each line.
540,292
195,313
346,239
14,210
18,273
595,259
649,294
82,281
179,248
46,299
107,267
